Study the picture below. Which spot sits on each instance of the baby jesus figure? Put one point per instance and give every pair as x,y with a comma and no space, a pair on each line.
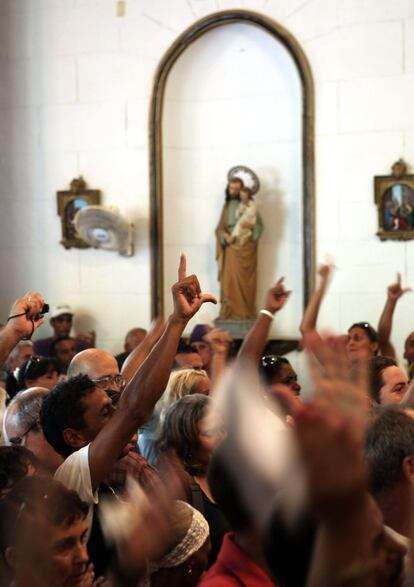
246,215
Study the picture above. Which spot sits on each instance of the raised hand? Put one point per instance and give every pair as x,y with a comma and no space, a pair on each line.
333,380
332,454
395,291
277,296
24,316
219,340
187,294
325,271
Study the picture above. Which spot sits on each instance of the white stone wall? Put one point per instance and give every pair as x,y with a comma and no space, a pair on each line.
234,97
74,90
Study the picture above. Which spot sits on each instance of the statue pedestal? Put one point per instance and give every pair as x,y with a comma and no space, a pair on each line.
236,328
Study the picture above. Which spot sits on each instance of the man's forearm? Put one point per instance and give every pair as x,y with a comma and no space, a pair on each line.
139,354
8,340
149,382
256,339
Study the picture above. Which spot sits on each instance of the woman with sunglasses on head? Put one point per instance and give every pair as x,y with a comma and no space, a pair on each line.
362,342
38,372
281,380
277,373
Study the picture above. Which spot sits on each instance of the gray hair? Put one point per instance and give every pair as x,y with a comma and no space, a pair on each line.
389,439
26,406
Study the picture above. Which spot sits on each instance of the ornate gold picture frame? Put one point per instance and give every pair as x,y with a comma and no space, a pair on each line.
394,197
68,203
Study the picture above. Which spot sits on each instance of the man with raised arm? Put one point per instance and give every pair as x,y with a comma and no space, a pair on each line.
80,422
24,318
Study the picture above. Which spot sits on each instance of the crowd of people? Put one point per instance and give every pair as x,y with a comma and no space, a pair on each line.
178,463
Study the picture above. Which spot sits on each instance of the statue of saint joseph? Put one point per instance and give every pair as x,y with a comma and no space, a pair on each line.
237,235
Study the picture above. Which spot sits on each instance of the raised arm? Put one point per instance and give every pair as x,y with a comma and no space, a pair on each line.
140,353
310,316
394,293
149,382
256,339
330,429
24,318
219,341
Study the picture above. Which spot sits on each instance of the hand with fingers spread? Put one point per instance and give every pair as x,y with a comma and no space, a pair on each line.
396,291
25,315
331,427
187,294
333,380
277,296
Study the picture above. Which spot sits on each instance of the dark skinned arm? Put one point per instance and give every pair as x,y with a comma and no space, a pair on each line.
310,316
394,293
256,339
141,352
149,382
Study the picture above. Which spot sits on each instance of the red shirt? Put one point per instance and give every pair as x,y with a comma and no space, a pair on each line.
234,567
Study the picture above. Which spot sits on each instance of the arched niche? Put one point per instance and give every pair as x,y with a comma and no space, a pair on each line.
307,229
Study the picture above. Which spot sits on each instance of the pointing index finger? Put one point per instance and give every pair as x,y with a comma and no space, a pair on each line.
182,269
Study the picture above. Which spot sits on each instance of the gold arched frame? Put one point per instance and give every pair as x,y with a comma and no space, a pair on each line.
189,36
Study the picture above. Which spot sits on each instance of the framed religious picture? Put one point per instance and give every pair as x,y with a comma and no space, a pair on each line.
69,202
394,197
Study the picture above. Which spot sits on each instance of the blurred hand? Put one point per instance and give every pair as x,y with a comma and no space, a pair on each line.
187,294
30,306
90,581
335,383
332,455
325,270
277,296
219,341
331,428
395,291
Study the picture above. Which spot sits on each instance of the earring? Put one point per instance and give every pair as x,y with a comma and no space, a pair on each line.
190,570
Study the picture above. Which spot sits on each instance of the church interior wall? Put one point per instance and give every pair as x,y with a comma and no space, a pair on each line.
75,85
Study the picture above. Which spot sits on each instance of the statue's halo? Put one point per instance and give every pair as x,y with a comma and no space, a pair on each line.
247,175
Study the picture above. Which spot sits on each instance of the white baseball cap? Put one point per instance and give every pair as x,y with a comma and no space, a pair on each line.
60,311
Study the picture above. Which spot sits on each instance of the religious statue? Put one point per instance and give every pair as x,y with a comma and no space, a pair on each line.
237,235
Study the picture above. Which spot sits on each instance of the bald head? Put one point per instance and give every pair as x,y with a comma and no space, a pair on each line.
23,410
95,363
21,426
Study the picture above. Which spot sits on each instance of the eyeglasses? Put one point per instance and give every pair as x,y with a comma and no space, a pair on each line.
106,382
18,440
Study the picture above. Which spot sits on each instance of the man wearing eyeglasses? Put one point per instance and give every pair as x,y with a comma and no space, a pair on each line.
80,421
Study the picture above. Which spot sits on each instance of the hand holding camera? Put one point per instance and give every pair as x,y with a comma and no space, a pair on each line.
26,315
